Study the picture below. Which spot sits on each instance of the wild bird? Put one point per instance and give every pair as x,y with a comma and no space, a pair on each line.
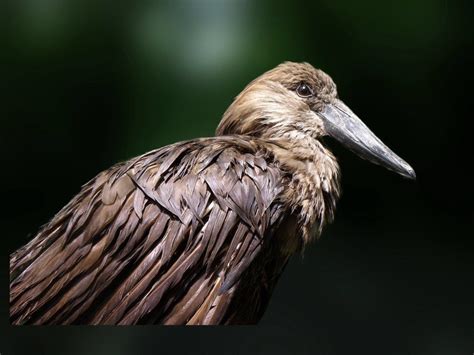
198,232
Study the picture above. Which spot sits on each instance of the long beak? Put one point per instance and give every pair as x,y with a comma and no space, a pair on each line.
343,125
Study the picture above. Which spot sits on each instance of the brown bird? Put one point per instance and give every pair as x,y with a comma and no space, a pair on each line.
198,232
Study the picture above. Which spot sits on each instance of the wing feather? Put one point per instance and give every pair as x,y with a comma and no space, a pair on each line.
165,238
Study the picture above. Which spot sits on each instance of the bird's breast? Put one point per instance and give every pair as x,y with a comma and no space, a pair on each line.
313,188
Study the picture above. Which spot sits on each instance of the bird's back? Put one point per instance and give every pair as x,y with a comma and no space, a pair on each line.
192,233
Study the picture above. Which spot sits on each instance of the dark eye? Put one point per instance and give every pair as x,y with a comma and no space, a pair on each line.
304,90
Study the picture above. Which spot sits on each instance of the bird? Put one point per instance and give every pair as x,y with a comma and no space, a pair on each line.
199,232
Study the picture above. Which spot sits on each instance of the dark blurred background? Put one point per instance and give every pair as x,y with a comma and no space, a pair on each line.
85,84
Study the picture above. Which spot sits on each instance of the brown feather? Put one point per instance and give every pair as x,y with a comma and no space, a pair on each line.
192,233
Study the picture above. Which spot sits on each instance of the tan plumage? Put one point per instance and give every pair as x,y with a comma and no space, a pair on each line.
193,233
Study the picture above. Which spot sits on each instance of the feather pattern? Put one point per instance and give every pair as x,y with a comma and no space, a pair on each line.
162,238
197,232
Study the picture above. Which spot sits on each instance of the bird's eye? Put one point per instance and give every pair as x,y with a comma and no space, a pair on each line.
304,90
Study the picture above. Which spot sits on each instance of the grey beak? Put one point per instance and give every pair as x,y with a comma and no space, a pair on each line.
343,125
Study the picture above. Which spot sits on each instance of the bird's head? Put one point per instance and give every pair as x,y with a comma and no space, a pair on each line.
296,101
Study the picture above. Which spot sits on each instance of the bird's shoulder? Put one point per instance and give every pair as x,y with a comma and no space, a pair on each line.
223,165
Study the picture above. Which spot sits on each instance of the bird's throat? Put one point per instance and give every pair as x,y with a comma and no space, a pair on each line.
314,182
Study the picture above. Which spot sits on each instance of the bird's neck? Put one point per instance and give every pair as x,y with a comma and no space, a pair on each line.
314,184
